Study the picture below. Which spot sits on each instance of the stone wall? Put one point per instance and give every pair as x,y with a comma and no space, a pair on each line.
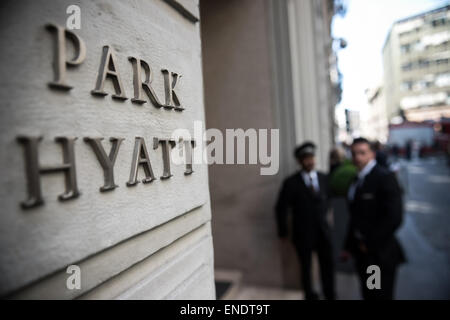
144,241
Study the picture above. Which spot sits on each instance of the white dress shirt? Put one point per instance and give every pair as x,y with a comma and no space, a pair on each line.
361,175
311,176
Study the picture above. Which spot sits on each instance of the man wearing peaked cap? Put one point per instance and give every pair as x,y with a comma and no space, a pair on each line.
308,148
305,195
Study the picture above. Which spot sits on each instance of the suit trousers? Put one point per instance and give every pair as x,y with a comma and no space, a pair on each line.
326,265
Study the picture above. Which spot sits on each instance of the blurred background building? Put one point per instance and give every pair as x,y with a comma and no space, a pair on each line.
268,64
416,60
412,102
374,118
352,123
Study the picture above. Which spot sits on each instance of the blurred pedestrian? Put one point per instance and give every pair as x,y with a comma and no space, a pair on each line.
375,205
337,157
448,153
409,147
306,194
342,172
380,155
395,152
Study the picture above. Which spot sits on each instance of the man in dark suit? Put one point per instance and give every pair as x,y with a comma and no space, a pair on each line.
375,206
306,194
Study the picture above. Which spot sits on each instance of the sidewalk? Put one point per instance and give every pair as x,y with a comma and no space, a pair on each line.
229,287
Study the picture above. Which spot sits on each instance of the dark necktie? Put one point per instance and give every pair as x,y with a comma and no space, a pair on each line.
311,184
359,183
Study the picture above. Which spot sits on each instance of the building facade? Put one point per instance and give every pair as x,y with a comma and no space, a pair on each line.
266,65
91,206
374,117
416,59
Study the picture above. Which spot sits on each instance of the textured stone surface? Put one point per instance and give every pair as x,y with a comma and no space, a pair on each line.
38,242
100,268
183,270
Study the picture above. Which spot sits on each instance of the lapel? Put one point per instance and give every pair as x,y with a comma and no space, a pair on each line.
320,182
355,179
304,186
367,181
302,181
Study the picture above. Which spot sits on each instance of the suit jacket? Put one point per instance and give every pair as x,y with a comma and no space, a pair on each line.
375,215
309,210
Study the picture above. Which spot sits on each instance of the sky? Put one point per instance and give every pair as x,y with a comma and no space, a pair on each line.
365,28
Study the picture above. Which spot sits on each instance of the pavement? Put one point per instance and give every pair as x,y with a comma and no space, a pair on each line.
425,233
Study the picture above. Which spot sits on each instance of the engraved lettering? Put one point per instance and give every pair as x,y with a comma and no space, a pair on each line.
166,145
140,158
172,101
108,68
188,146
34,170
138,65
60,61
107,162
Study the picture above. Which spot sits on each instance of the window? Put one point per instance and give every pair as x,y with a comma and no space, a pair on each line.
407,66
424,63
405,48
407,86
420,85
403,34
441,61
439,22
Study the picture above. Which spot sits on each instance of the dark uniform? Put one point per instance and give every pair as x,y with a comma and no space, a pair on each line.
375,214
310,228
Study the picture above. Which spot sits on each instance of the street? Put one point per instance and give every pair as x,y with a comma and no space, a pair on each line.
425,233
